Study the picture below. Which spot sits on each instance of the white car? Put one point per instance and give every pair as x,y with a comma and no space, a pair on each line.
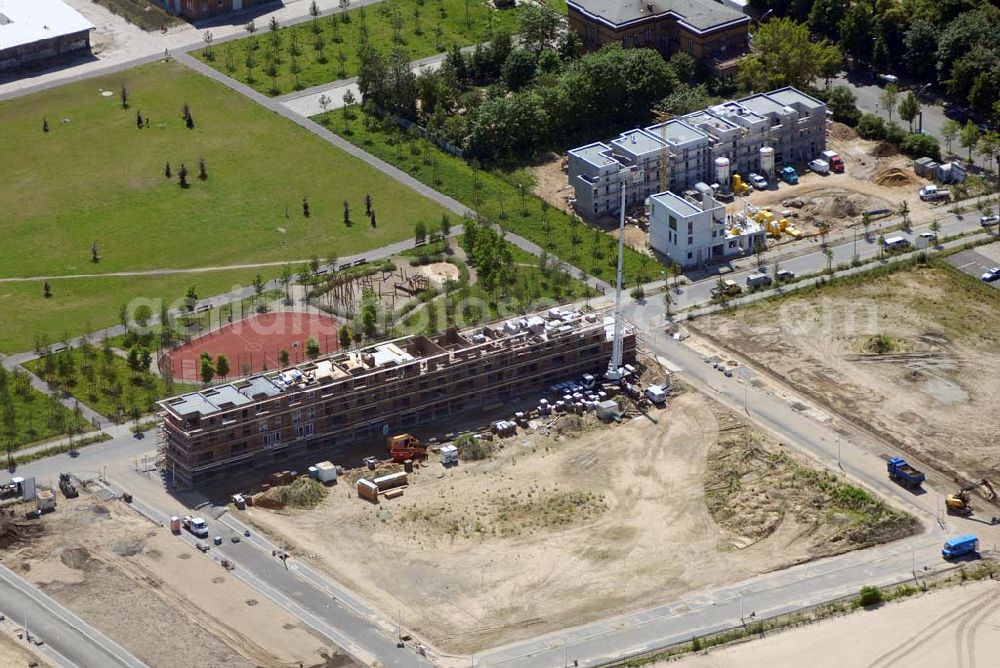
890,78
758,182
987,221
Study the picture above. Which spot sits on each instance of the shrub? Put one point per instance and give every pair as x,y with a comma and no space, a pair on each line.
871,126
470,447
870,595
918,145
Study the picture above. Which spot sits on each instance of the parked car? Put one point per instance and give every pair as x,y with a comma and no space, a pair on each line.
956,114
928,239
991,275
889,78
785,275
758,181
987,221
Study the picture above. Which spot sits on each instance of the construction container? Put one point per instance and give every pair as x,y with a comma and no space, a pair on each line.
313,472
175,525
449,455
367,490
408,466
45,500
326,472
608,410
391,480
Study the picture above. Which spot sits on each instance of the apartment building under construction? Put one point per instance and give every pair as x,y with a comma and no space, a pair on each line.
363,396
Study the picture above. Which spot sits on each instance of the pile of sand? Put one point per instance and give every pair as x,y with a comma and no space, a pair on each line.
894,177
302,493
884,149
840,205
16,532
842,132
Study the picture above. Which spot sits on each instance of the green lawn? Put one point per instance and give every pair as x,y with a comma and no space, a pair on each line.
96,177
30,416
425,27
497,196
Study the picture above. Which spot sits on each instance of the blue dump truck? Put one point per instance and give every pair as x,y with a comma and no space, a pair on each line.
958,547
903,473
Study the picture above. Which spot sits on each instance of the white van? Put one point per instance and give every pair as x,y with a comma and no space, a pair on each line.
819,166
895,243
758,280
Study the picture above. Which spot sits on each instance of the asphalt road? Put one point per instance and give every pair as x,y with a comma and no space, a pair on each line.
65,638
974,263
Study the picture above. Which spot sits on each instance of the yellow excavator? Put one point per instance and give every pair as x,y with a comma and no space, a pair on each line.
959,503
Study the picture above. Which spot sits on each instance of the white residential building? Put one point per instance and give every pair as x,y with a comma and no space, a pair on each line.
695,230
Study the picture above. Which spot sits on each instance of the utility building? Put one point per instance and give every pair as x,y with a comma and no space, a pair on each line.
759,133
33,32
200,9
364,396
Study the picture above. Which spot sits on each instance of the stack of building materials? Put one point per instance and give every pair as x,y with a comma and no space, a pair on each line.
504,428
391,480
608,410
449,455
367,490
326,472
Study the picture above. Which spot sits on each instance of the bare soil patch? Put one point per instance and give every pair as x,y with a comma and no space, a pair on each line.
929,387
550,183
153,593
559,527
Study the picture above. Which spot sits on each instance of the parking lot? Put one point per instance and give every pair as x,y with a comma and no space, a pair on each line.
975,262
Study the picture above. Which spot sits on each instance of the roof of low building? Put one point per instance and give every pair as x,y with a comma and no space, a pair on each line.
701,15
28,21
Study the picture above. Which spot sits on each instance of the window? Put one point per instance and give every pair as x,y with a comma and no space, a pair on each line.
690,241
274,438
262,426
690,227
673,223
635,39
296,416
690,255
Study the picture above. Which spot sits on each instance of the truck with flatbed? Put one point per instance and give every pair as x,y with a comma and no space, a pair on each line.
196,526
789,175
903,473
835,161
933,193
726,288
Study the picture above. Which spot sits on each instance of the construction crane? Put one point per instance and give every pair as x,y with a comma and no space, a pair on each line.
959,502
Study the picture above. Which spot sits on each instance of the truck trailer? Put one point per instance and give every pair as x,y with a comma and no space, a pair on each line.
903,473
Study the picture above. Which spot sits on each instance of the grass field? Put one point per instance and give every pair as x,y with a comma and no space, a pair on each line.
327,48
497,197
95,177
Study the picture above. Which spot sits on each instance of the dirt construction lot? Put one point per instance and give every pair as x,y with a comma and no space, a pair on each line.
583,522
957,626
914,356
157,596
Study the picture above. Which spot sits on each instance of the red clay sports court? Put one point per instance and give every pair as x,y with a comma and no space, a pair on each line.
254,343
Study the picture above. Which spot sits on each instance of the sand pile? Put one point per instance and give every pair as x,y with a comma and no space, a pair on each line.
840,205
884,149
842,132
894,177
302,493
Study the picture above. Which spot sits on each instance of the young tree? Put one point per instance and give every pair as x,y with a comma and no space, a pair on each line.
95,257
313,9
904,212
758,250
202,172
325,102
138,118
950,130
445,226
222,366
345,337
347,213
909,108
312,348
208,38
258,285
45,124
368,204
889,98
305,206
123,96
866,222
881,245
283,357
968,138
182,176
166,171
207,369
420,232
371,218
47,290
191,298
286,279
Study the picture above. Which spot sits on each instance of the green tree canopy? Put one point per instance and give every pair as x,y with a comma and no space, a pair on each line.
784,55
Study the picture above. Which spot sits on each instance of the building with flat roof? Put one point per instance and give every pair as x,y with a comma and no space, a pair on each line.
364,396
35,31
710,31
786,120
694,230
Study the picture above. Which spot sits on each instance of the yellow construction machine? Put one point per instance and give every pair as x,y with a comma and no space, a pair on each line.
959,503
